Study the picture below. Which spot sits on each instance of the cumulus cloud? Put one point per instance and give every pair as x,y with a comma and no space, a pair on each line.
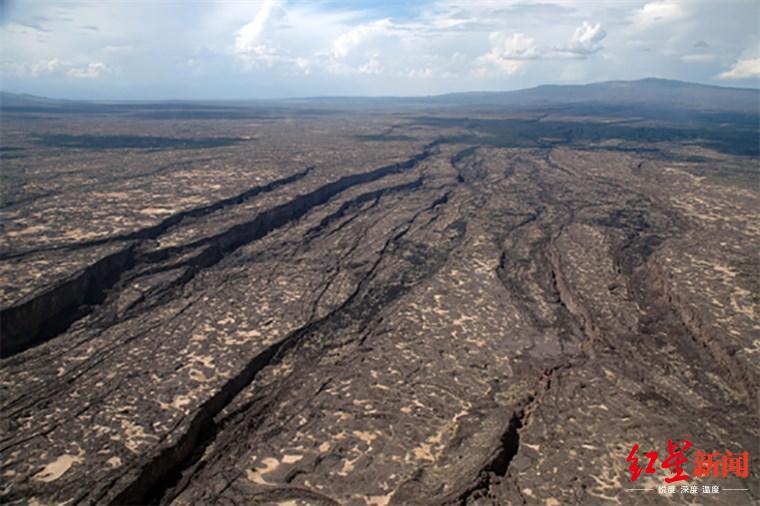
352,39
516,47
510,53
248,41
371,66
655,13
47,67
248,36
354,49
433,46
373,48
742,69
586,40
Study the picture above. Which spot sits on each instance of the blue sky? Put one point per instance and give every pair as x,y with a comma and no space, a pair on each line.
135,49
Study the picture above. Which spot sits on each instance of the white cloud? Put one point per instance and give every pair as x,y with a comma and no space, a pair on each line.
350,40
372,66
742,69
249,46
658,12
345,47
90,71
248,36
47,67
509,53
304,65
517,47
586,40
56,66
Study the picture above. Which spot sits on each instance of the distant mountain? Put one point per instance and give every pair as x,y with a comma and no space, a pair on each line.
24,99
649,92
647,97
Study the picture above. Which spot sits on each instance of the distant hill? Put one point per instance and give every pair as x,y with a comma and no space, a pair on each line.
648,97
24,99
649,92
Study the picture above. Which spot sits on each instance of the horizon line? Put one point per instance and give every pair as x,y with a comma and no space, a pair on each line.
375,97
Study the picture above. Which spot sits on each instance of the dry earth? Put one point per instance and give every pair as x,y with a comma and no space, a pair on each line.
369,309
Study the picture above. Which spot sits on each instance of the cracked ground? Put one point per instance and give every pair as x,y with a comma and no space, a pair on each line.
381,309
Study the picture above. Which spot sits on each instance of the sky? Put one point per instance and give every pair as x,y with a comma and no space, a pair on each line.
172,49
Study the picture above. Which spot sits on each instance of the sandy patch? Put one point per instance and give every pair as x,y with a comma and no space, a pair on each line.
57,468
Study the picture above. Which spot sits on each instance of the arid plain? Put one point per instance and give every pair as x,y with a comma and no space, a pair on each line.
374,302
